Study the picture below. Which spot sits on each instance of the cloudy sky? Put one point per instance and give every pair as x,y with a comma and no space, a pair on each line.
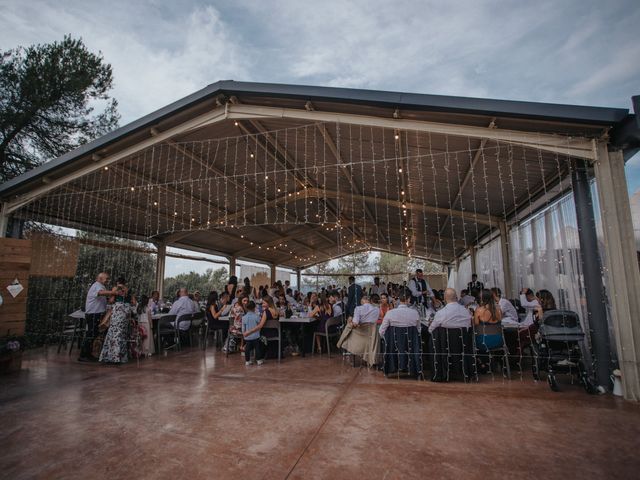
565,51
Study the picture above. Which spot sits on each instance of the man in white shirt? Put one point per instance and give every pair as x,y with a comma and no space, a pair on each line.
401,316
183,306
336,303
377,288
466,299
509,313
289,298
94,309
360,331
365,313
530,303
453,315
420,289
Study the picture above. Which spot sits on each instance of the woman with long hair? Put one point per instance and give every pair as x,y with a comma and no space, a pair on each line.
487,313
322,311
385,306
232,286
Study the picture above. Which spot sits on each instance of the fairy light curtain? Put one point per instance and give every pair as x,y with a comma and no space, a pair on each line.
302,195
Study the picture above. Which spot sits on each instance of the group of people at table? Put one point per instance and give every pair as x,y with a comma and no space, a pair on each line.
241,312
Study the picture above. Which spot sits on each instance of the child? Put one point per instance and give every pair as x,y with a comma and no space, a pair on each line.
251,334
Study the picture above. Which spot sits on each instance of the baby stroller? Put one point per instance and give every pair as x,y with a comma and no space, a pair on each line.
559,348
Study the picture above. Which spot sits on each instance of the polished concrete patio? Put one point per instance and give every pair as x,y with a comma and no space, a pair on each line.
195,415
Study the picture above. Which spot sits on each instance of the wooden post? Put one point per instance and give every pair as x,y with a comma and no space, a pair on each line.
161,258
506,260
232,266
621,267
299,279
4,221
273,274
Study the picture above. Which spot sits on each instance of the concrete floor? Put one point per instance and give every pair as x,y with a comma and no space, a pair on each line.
194,415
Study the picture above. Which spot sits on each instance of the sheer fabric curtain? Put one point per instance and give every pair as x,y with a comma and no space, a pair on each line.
545,254
489,264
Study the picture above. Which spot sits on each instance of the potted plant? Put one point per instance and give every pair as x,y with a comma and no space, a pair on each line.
11,349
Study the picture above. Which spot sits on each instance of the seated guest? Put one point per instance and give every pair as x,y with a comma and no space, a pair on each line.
488,313
466,298
402,352
155,303
323,312
336,303
401,316
453,315
530,303
451,340
290,299
509,313
183,306
357,335
385,306
547,302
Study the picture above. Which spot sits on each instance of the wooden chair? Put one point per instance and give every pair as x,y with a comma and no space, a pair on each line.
165,329
274,325
501,351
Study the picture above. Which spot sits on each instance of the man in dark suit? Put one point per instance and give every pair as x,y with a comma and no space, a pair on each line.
474,284
354,294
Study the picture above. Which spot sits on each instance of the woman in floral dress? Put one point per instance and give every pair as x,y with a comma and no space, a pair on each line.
115,348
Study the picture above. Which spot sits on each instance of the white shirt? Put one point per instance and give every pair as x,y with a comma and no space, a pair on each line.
337,309
94,303
365,313
453,315
416,292
291,300
509,313
401,316
467,300
378,289
183,306
530,306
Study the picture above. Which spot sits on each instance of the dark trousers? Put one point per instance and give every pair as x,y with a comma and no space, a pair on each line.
249,346
93,320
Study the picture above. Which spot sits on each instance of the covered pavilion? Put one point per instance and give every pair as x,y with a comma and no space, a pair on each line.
296,175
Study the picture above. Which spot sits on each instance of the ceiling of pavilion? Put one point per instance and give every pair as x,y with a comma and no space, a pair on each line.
297,193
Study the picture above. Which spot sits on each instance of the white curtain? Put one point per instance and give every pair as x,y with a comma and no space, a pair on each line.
545,254
489,264
463,275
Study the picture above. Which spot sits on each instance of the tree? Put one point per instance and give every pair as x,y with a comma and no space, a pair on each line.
48,97
203,282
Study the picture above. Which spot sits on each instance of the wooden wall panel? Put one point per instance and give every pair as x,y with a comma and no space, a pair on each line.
15,262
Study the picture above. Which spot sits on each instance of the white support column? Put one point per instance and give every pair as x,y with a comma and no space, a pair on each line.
273,273
232,266
506,260
161,258
621,265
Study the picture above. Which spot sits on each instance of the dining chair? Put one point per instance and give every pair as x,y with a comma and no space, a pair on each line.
165,328
271,337
332,322
501,351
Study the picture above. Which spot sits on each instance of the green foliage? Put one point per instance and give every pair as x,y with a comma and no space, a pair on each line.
203,282
51,299
48,95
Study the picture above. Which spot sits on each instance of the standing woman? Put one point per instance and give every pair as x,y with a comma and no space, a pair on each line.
269,312
232,286
115,347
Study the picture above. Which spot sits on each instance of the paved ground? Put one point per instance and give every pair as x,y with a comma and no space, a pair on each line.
194,415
